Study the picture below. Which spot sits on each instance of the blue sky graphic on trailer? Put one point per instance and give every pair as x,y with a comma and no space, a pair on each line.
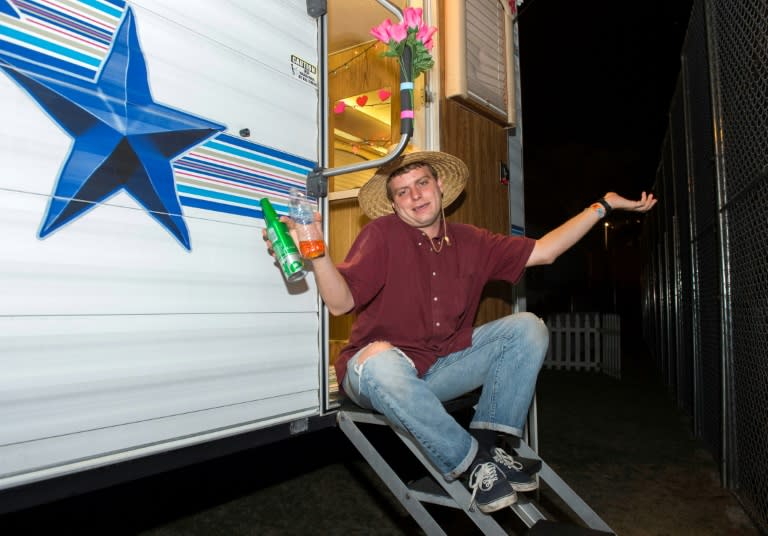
123,140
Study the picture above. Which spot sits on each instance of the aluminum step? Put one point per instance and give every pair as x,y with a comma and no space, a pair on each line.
433,489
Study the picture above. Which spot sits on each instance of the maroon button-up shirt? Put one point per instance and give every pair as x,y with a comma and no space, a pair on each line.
418,300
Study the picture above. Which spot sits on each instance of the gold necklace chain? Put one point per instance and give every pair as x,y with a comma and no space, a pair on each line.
444,239
437,249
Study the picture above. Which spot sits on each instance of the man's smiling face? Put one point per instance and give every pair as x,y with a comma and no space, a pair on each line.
417,199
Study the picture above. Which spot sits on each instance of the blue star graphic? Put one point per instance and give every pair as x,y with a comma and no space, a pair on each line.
123,140
8,8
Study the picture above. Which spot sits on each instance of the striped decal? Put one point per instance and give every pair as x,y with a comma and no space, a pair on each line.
227,174
73,37
67,36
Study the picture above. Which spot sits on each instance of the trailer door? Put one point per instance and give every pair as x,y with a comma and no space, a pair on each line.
139,310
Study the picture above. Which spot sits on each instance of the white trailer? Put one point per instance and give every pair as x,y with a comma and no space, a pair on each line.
139,311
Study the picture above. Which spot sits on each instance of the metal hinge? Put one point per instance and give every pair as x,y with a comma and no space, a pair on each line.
317,8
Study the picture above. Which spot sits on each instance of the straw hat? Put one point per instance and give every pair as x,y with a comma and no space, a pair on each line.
450,170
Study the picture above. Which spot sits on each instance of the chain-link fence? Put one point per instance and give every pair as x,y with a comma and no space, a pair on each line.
705,299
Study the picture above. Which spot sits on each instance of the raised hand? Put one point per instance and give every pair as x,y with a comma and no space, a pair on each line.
644,204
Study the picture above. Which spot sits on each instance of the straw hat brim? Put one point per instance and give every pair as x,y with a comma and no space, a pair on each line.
450,170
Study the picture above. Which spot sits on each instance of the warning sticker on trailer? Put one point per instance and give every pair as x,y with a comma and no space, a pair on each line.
303,70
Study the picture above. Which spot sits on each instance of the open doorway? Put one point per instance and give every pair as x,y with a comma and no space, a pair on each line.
363,124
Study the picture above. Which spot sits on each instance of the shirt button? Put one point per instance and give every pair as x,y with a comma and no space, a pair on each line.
434,274
419,243
437,324
435,298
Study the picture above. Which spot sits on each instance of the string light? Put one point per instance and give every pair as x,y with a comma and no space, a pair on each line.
372,142
345,65
372,105
378,145
361,101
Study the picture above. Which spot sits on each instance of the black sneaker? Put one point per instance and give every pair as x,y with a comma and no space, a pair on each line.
490,490
518,478
530,465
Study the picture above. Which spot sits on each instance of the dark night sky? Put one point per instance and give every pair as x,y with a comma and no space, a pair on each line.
597,80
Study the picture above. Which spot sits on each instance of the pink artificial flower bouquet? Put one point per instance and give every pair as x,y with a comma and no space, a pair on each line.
412,32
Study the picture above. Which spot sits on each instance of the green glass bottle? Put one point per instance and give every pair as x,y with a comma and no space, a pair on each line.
286,252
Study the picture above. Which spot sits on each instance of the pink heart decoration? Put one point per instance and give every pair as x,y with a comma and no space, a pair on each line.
384,95
361,100
339,108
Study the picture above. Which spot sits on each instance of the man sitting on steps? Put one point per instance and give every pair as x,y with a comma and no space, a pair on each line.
415,281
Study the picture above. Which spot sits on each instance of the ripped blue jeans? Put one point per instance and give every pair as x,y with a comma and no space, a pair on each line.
504,359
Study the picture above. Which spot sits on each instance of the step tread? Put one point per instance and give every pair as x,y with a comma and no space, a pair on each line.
426,489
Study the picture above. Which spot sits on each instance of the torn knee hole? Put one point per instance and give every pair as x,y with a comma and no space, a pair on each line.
373,349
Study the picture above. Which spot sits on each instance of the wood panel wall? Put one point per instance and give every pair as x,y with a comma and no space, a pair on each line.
482,145
347,219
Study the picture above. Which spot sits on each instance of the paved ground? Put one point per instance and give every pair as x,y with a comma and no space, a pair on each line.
630,454
621,444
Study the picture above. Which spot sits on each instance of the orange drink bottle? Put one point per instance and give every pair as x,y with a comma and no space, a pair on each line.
311,244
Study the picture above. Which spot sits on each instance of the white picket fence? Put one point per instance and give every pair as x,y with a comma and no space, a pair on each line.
585,341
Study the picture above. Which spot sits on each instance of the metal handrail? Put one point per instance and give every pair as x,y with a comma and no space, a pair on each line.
317,180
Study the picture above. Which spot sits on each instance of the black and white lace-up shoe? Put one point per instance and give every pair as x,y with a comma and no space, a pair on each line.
490,489
514,472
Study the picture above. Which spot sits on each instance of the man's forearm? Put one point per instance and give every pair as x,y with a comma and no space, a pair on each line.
332,286
550,246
